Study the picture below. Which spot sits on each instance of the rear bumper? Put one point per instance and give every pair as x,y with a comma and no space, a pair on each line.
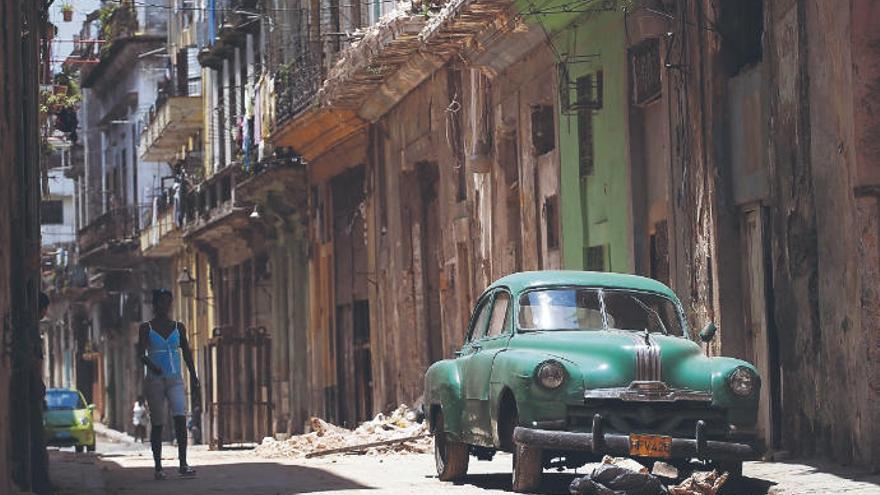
598,442
66,437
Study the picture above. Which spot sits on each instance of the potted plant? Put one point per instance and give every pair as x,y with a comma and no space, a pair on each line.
67,11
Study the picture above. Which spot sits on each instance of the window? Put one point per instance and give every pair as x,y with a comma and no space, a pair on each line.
64,400
52,212
645,71
480,319
741,26
551,216
543,129
595,258
585,126
660,252
499,321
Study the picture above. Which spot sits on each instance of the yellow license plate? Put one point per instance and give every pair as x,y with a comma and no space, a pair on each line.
650,446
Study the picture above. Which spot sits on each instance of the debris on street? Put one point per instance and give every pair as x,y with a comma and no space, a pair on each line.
701,483
398,432
616,476
664,470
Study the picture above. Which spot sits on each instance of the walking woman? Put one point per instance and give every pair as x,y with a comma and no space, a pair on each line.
161,343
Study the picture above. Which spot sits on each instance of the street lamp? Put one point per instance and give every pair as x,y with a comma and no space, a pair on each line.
186,283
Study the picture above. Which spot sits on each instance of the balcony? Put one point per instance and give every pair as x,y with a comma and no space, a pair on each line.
365,81
280,184
110,239
225,29
173,121
299,83
129,30
215,222
162,237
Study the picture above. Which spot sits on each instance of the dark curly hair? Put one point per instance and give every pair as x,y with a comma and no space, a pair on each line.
158,293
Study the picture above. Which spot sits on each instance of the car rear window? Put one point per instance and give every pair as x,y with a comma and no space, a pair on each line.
63,400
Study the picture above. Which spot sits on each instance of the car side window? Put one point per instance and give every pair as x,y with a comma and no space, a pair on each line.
500,310
481,318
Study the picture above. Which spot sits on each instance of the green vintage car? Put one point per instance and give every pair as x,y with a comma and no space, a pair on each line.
562,367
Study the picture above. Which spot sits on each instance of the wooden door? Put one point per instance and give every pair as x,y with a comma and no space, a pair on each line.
760,342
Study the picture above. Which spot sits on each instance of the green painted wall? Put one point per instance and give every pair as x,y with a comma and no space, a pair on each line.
595,208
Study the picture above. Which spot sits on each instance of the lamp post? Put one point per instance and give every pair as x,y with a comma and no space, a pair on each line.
186,283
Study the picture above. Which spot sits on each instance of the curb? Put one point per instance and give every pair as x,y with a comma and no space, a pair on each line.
113,435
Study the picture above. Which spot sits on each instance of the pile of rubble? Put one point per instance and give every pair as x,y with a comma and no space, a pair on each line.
623,476
398,432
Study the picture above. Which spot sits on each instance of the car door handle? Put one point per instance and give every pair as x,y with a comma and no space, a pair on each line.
477,347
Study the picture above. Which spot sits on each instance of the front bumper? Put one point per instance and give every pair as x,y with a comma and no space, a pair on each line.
66,437
598,442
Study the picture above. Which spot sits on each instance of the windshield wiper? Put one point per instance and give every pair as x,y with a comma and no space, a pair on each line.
651,311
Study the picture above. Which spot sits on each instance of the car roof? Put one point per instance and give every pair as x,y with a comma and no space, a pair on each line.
521,281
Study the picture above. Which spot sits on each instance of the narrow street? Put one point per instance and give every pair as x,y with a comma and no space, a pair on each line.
122,468
375,241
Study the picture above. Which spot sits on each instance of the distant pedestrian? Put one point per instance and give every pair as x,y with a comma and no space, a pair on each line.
161,343
139,419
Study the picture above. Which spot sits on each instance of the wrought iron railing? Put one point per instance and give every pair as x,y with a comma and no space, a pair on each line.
119,224
296,84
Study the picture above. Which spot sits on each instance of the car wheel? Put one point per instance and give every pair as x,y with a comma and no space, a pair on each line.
734,469
450,457
528,465
79,449
90,448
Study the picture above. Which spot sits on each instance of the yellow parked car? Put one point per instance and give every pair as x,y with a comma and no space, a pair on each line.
68,420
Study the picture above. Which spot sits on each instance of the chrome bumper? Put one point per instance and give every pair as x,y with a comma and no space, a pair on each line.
598,442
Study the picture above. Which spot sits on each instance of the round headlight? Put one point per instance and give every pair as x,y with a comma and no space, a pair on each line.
550,374
741,381
83,420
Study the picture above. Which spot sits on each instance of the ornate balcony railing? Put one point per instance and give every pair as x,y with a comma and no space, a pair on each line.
296,85
117,225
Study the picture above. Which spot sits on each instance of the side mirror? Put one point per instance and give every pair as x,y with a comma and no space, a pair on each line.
91,407
708,333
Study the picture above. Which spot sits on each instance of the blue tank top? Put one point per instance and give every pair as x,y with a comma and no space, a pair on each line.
165,352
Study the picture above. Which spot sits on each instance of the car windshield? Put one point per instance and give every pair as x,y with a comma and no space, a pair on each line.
64,400
598,309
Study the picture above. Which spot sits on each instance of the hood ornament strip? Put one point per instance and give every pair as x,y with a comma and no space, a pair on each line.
648,360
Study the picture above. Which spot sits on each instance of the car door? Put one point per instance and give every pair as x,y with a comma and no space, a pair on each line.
477,369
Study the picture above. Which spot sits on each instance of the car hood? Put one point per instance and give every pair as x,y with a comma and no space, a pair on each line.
607,359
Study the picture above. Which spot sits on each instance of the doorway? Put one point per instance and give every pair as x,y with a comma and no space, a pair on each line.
762,344
422,242
351,340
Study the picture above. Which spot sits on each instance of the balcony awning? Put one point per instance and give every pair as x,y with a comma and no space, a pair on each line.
174,122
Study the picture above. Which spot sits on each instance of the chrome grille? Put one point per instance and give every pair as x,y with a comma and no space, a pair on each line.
648,363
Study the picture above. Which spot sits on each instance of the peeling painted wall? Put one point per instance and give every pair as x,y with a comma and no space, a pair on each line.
818,191
597,207
457,199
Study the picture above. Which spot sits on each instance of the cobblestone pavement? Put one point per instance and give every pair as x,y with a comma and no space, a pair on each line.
127,469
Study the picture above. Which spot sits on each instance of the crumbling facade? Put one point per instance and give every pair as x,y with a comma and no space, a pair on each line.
349,178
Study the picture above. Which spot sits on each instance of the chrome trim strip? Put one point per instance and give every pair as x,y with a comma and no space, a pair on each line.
648,391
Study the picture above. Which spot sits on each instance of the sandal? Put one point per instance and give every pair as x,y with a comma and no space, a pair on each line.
159,475
186,471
